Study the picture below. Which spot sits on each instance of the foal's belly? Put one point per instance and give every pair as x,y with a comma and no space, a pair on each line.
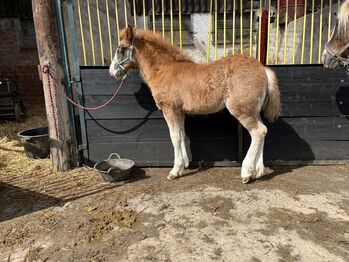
197,106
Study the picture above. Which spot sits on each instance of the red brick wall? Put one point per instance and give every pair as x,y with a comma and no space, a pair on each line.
19,64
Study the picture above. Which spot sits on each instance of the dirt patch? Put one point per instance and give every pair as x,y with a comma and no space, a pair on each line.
315,227
113,219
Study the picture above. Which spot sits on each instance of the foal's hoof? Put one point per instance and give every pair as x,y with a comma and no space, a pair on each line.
245,180
247,174
259,172
172,176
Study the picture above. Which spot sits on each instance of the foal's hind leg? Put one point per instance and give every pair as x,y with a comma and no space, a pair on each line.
173,120
259,156
259,159
252,165
254,157
184,150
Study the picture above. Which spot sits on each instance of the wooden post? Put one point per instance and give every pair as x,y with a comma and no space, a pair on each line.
47,39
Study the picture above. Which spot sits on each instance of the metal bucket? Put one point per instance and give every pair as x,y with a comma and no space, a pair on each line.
115,168
36,142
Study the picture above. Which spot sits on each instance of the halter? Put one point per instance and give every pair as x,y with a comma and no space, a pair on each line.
344,61
128,58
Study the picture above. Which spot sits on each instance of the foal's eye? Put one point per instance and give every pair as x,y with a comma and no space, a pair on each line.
120,50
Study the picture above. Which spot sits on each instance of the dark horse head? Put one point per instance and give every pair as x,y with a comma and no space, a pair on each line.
337,49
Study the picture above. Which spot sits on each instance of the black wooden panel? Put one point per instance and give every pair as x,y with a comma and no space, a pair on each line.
214,127
97,81
310,74
313,91
313,138
123,107
316,103
306,150
222,152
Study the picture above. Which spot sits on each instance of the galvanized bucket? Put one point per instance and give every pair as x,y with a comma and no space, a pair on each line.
115,168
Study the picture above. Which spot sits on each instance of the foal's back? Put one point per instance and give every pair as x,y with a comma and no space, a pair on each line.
205,88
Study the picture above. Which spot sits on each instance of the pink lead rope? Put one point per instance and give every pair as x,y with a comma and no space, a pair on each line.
46,70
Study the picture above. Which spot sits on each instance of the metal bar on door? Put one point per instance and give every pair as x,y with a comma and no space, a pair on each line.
208,48
91,33
153,14
294,33
144,17
233,30
163,18
82,34
134,13
109,32
268,33
320,34
180,23
277,33
224,28
303,33
329,20
312,32
171,20
100,32
215,30
125,13
241,33
259,30
285,35
117,21
251,26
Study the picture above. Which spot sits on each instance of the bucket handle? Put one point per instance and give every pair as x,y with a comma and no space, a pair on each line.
114,154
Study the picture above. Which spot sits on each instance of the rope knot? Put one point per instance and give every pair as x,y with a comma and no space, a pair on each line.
46,69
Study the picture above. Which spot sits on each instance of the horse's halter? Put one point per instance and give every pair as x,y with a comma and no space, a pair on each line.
121,64
344,61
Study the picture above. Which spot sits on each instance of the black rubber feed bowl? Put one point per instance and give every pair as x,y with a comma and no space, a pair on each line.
36,142
115,169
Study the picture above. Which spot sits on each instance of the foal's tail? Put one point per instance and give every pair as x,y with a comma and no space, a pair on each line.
272,106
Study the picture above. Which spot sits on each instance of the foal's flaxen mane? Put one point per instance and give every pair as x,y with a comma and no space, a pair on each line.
162,45
343,20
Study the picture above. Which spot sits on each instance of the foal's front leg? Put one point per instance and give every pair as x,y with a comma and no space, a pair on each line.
173,120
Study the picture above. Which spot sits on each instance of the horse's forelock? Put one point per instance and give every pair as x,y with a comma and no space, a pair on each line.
343,20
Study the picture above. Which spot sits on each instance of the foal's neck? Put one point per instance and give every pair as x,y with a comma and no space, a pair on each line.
154,55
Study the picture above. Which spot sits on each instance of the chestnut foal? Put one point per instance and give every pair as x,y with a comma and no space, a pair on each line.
180,86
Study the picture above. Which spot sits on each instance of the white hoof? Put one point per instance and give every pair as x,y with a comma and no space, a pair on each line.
260,172
247,174
172,176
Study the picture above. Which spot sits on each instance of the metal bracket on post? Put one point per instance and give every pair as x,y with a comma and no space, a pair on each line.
82,147
75,79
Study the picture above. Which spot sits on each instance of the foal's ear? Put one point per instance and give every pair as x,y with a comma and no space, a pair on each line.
129,32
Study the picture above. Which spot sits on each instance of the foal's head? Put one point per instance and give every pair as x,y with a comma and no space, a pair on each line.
337,49
124,55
